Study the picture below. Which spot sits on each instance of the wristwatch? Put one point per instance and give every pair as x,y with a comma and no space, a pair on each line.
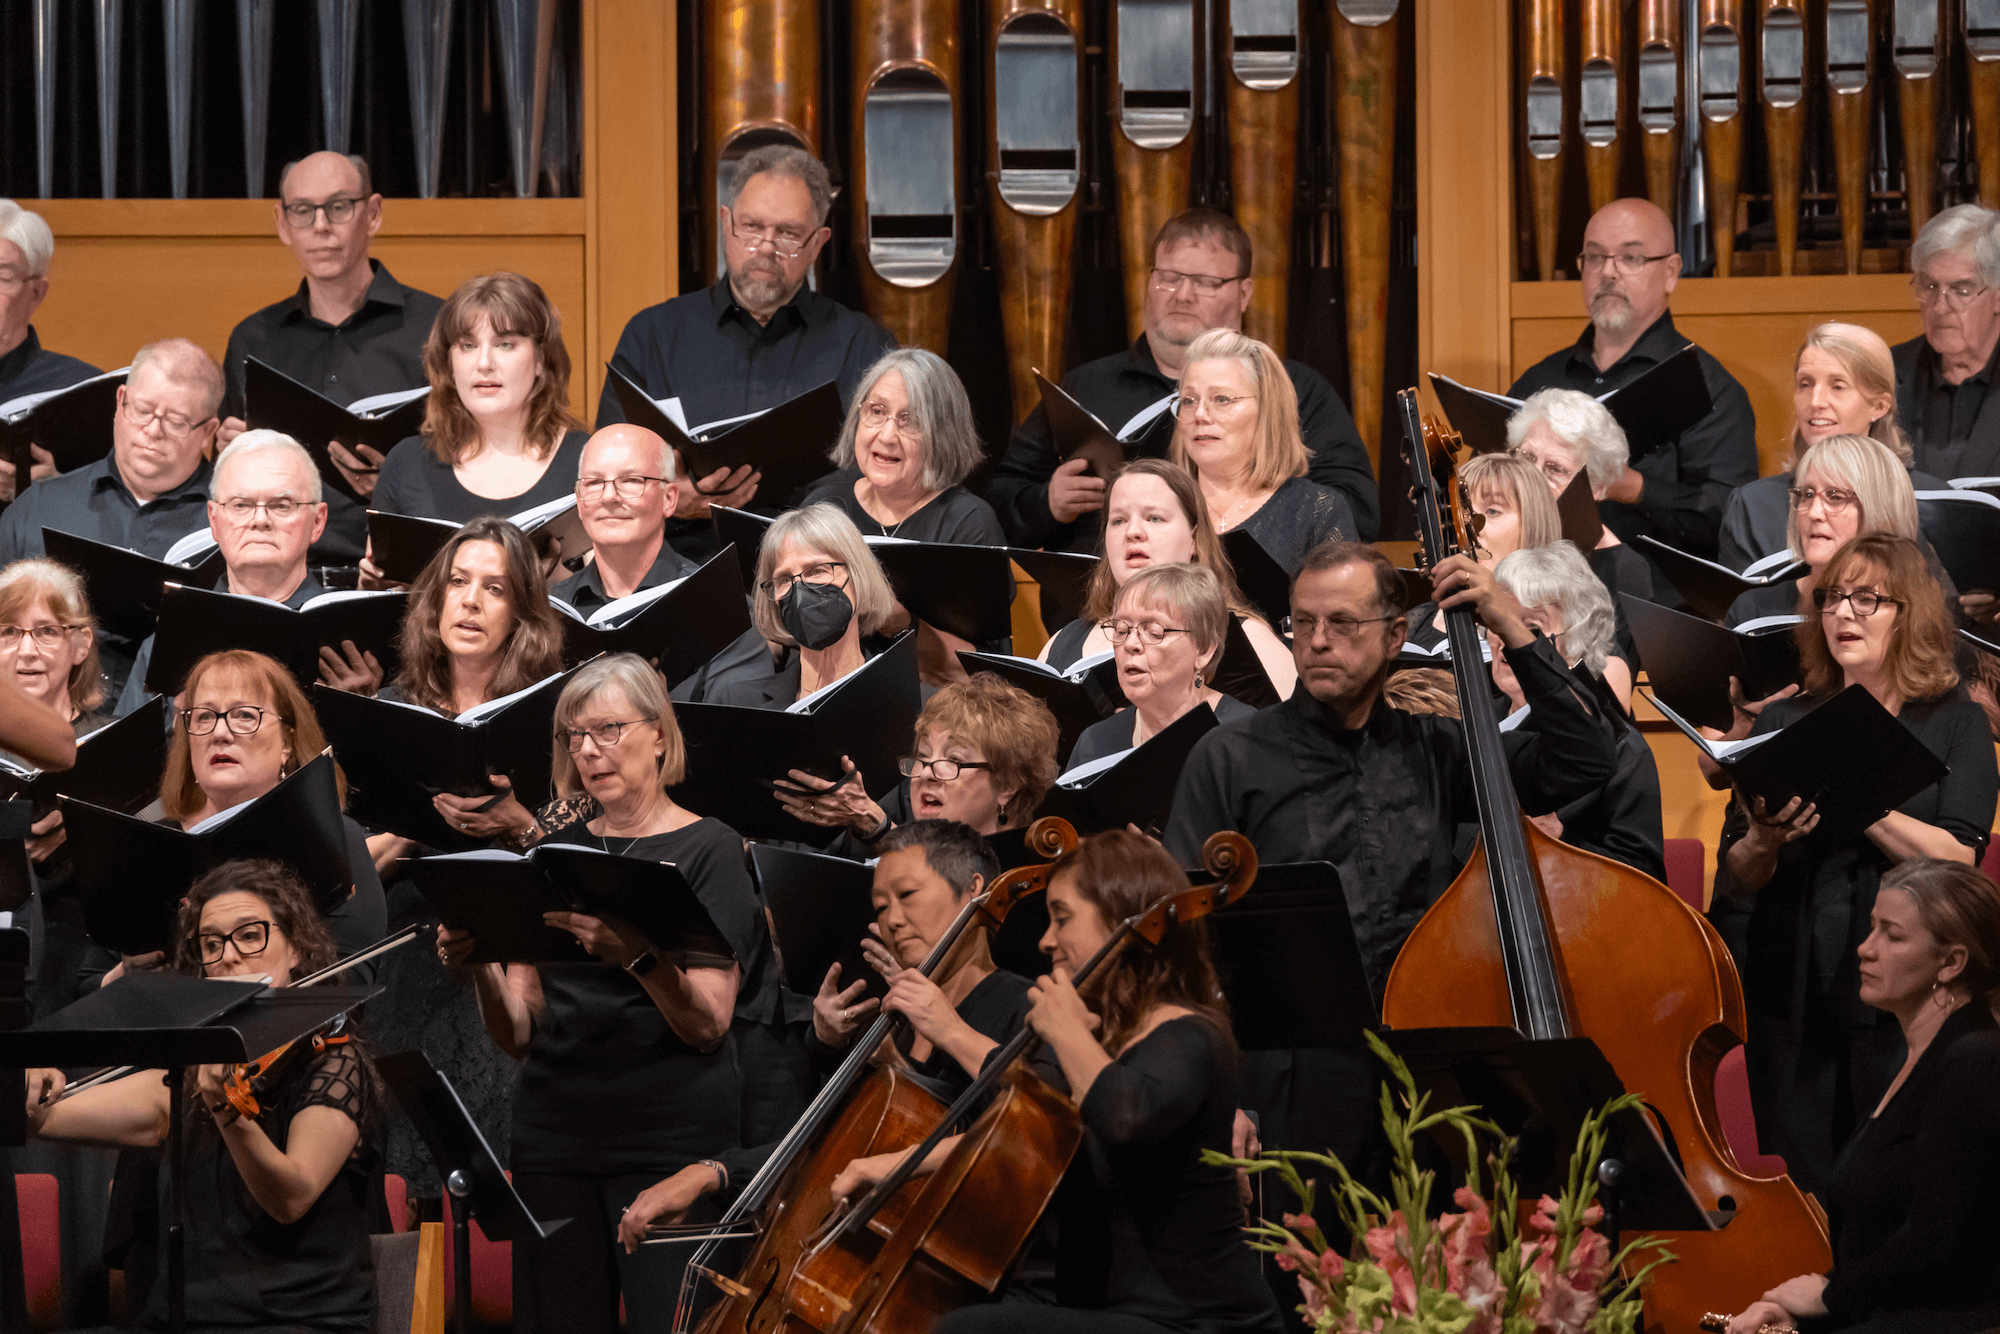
644,964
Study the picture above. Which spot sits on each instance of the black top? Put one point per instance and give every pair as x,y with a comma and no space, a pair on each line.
1115,733
1299,516
1621,818
1955,429
32,369
1907,1206
1116,387
754,673
1753,526
1141,1225
1688,481
246,1270
584,590
608,1087
1382,802
713,355
379,349
416,481
1799,932
953,515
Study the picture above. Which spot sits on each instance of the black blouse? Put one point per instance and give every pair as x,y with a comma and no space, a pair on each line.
1299,516
1114,734
953,515
416,481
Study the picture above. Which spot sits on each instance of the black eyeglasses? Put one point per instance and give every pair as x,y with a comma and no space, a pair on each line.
1625,264
627,488
824,572
604,734
300,214
942,770
250,940
1865,601
242,720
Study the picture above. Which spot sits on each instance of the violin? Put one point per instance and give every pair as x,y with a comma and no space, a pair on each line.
1557,942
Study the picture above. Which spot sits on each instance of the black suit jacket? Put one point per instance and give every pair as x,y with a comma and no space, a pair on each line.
1982,453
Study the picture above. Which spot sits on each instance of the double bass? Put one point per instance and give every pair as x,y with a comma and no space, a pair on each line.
1557,942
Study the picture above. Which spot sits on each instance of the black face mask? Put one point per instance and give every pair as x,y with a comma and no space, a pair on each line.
816,615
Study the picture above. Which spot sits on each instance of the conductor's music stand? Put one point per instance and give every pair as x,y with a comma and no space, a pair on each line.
165,1021
1290,966
466,1165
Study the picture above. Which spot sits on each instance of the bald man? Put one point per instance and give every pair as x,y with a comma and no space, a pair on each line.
1675,493
625,493
350,331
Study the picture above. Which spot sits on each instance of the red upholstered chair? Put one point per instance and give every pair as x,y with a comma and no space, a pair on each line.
396,1194
1685,873
1739,1122
41,1247
492,1274
1991,862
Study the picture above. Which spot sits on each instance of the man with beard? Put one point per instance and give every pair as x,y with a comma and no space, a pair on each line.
1677,491
758,337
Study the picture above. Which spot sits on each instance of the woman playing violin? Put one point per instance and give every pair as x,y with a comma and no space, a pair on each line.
277,1228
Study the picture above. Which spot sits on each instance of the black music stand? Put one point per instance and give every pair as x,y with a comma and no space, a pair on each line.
466,1165
1290,966
165,1021
1539,1092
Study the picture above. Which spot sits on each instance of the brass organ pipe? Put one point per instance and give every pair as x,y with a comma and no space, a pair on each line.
1849,50
1364,106
761,67
1659,94
1916,38
1719,57
1982,69
1597,105
1542,100
905,199
1782,36
1034,227
1263,101
1152,140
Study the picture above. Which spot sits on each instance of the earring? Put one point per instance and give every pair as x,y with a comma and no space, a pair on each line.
1197,678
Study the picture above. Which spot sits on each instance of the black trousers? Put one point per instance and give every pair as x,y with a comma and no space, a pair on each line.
571,1282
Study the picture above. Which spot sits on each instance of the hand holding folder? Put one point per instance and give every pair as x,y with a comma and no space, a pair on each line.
73,425
274,400
788,444
1689,661
118,766
195,622
820,908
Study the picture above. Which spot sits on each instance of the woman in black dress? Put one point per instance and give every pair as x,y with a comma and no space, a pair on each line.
1798,896
1145,1237
630,1073
276,1200
1911,1194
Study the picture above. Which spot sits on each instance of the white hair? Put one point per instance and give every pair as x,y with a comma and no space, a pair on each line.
1558,574
270,442
1582,423
1965,228
28,231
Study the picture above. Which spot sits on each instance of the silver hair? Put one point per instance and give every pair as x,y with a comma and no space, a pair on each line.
268,442
1558,574
186,362
1965,228
784,160
1582,423
938,409
827,530
30,232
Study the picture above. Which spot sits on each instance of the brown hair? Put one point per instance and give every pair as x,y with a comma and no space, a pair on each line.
1333,555
1190,590
290,902
644,691
1277,451
1958,905
1102,594
1520,483
534,646
1918,659
1122,874
1014,731
27,583
1206,224
180,795
1431,690
512,304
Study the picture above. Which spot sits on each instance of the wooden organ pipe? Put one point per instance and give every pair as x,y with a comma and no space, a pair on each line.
1849,28
906,162
1263,101
1782,34
761,63
1917,38
1982,70
1364,110
1033,110
1597,100
1152,144
1542,99
1659,99
1719,67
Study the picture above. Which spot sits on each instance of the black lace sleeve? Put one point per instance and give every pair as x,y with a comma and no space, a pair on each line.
560,816
341,1078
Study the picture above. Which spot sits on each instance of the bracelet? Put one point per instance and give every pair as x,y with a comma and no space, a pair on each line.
721,1172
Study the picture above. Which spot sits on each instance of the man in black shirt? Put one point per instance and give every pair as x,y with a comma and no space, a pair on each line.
1943,379
1675,492
351,331
625,489
26,367
1200,280
758,337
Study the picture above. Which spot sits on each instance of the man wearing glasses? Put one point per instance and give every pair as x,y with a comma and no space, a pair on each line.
351,331
1943,378
26,367
1677,491
1200,280
759,336
625,492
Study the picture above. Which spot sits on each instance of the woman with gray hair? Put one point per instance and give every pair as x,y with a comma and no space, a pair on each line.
1566,602
1564,432
906,448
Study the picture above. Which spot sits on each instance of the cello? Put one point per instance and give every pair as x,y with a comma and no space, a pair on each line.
1557,942
863,1110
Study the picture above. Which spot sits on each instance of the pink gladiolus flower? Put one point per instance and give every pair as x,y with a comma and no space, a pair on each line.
1389,1247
